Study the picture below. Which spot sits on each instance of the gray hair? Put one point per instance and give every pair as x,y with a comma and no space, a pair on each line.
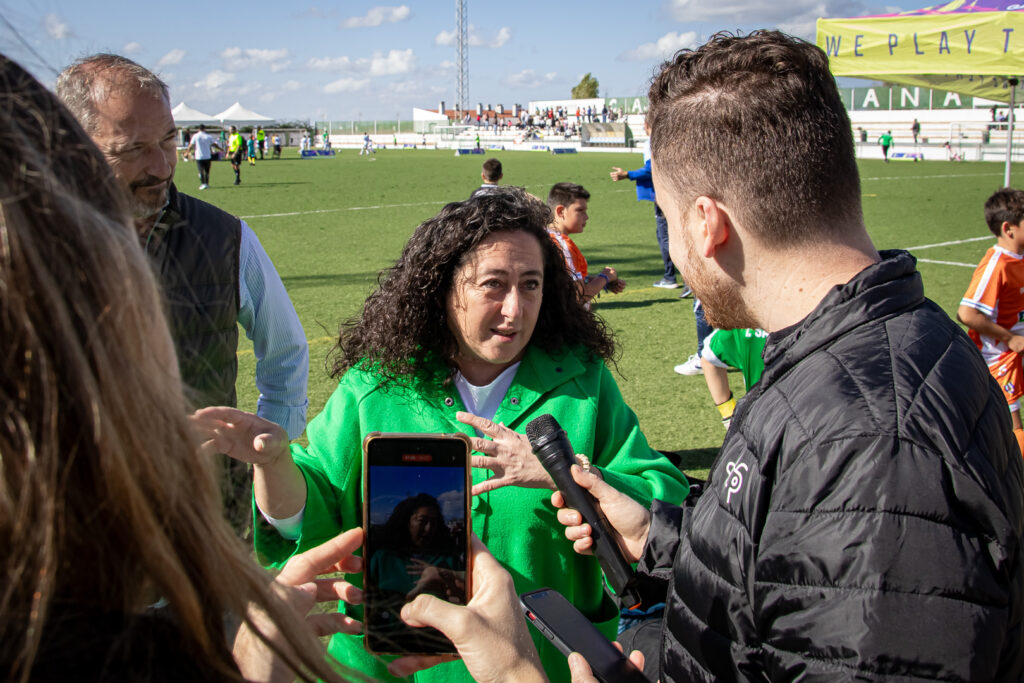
92,79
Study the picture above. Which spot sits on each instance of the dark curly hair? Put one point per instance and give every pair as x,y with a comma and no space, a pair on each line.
395,534
403,331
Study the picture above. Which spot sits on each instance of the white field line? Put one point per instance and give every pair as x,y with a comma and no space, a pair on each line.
948,263
379,206
628,189
949,244
927,177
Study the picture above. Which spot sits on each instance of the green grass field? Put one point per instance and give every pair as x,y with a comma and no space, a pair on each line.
331,224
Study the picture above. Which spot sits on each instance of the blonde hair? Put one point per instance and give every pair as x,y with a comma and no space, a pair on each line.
105,498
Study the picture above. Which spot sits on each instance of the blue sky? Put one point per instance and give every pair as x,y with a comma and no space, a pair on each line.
392,485
367,60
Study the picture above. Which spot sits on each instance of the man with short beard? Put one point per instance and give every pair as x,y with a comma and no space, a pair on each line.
212,268
864,517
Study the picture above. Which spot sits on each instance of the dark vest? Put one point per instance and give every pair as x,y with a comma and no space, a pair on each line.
194,248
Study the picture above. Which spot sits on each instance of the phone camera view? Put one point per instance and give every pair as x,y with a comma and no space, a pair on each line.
416,542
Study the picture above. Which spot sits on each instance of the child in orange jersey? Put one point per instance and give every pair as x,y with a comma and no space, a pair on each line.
993,307
568,203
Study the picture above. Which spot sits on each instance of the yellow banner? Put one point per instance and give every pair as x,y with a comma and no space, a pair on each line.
967,53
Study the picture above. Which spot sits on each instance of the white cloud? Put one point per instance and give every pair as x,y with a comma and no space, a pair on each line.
173,57
237,59
528,78
380,64
504,33
378,16
55,28
446,38
794,16
329,63
131,48
450,38
291,86
346,85
314,13
214,80
662,48
394,62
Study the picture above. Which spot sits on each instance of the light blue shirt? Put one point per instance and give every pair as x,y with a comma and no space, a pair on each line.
279,342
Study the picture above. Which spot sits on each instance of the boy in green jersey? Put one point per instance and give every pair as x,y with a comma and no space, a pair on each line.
724,349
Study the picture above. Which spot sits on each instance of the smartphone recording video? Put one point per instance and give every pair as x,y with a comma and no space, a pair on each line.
416,518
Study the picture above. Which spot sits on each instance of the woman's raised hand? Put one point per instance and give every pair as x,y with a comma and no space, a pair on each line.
240,435
507,454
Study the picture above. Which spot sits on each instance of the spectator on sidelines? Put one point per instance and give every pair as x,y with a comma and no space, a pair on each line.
277,146
490,174
568,204
261,141
214,272
993,305
203,143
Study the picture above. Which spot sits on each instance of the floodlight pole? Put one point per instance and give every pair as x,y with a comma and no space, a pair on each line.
462,57
1009,132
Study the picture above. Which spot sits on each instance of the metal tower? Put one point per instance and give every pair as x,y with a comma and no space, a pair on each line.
462,80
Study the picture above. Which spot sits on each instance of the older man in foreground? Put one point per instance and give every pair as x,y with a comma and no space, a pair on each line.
213,270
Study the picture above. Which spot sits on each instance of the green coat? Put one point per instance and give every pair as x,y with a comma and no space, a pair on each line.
517,525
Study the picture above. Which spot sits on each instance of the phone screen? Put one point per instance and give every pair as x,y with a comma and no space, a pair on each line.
416,507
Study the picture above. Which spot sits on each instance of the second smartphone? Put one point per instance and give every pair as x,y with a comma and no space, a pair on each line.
570,631
416,500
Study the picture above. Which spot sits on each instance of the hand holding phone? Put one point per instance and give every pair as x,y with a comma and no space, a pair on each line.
300,585
490,634
570,631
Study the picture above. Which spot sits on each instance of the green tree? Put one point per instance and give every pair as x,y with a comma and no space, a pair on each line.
587,88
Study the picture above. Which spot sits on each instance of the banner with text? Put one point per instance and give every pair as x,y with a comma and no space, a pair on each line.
970,52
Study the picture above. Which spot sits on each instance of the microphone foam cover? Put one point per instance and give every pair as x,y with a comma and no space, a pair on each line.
539,426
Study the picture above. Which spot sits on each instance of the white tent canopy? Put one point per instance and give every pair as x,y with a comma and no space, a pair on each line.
423,120
185,116
238,115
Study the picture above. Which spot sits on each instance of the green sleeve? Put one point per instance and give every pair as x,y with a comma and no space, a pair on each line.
625,458
331,466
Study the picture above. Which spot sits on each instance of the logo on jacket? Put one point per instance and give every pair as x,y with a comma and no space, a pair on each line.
734,478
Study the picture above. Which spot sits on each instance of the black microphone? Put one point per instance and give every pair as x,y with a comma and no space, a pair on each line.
552,448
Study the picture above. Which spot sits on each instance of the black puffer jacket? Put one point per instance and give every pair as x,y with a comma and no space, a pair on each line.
863,519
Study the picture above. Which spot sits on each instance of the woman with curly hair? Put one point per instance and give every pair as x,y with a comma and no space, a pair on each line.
476,328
